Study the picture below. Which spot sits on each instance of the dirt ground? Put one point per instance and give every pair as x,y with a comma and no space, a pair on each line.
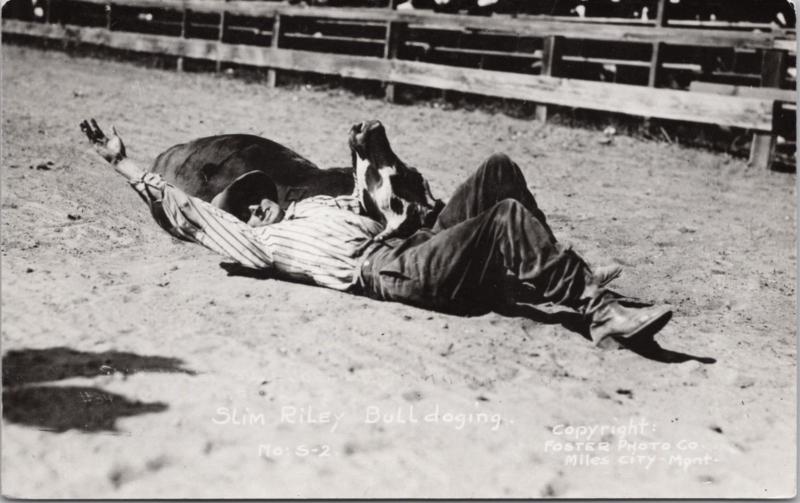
135,367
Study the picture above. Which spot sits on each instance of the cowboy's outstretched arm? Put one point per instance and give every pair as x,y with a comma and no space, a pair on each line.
150,187
183,216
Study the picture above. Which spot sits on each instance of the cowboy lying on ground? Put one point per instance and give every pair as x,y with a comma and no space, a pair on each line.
490,240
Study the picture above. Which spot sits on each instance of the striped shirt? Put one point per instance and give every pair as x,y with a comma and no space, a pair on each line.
321,239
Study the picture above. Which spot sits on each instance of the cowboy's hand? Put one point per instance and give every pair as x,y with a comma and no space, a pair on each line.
111,149
363,246
385,234
379,238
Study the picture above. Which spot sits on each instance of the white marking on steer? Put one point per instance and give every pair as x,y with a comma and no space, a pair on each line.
376,183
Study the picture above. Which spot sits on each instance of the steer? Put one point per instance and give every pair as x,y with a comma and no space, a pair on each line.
390,191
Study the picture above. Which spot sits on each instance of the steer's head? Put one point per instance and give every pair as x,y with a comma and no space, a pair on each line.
389,190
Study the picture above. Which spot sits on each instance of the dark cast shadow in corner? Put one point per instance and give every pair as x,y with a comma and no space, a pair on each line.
53,364
646,346
61,408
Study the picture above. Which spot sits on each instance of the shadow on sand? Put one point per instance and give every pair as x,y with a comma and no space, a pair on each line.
645,345
53,364
61,408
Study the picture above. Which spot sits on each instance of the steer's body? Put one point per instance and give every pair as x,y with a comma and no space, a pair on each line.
206,166
390,192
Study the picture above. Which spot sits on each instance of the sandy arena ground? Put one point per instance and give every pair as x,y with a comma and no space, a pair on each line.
135,367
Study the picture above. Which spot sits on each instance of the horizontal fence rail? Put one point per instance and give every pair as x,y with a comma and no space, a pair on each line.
530,26
275,25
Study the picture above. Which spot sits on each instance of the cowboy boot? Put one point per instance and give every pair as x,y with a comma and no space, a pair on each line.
612,324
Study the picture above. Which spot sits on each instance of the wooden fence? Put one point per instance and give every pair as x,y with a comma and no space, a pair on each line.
268,28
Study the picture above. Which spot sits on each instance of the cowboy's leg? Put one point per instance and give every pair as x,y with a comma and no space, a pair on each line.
498,178
465,267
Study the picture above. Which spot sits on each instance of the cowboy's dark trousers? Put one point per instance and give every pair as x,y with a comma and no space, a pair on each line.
489,235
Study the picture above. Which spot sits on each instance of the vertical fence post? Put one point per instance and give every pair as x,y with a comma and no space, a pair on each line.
109,16
655,64
220,39
395,35
47,16
272,73
552,49
658,53
773,65
184,29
